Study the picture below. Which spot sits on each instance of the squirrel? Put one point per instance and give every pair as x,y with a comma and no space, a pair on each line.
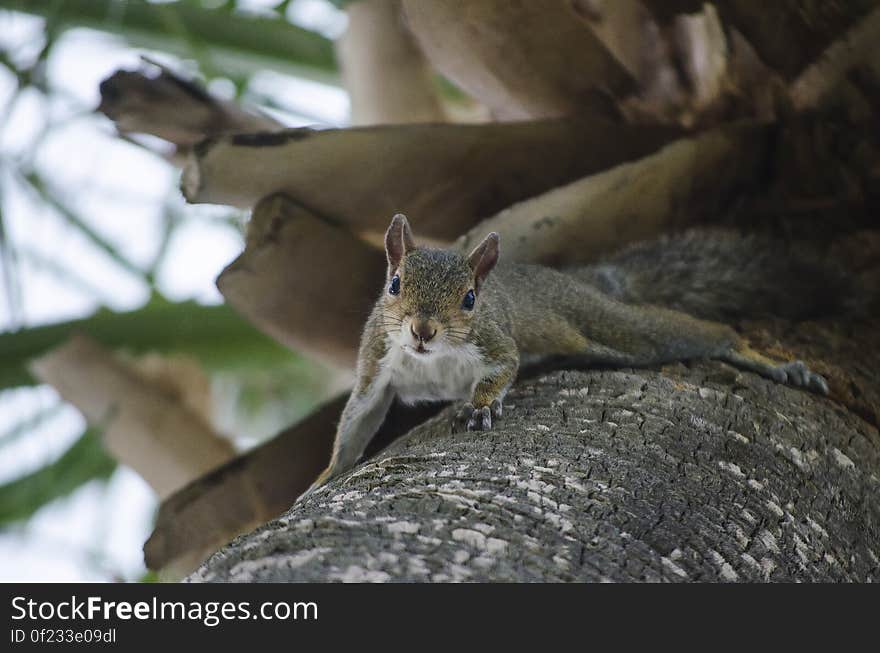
454,327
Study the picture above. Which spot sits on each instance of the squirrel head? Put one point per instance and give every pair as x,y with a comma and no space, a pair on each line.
431,295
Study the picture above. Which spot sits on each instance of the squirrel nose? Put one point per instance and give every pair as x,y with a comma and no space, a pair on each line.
422,330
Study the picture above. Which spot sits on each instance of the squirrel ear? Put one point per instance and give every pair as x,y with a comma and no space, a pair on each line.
398,240
484,257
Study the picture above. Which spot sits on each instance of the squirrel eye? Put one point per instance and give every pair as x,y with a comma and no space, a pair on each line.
468,302
394,288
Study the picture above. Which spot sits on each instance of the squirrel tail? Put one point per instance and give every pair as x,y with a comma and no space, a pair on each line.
721,275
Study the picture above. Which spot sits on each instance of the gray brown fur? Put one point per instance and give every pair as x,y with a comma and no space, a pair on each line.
720,274
520,310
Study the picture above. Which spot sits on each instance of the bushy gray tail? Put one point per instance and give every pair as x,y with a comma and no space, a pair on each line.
721,275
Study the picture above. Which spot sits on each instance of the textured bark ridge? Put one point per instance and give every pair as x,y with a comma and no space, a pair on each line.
688,473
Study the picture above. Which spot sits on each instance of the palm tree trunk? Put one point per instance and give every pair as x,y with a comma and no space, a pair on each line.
691,472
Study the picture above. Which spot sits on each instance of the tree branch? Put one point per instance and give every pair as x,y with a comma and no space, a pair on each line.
529,60
156,101
385,74
445,177
146,424
688,180
281,282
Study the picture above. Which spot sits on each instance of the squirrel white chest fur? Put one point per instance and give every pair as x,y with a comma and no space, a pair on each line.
446,374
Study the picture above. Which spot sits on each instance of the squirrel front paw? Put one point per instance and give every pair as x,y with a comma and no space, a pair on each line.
797,373
470,418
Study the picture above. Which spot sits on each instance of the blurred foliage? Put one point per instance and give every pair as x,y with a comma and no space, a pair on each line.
238,42
256,377
150,577
215,335
84,461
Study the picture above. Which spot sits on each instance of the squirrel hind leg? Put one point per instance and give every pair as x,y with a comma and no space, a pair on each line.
798,374
794,373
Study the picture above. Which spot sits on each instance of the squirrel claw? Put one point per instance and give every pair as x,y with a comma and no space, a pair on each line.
470,418
481,419
798,374
462,417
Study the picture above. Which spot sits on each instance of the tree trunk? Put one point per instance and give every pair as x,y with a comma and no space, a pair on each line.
689,472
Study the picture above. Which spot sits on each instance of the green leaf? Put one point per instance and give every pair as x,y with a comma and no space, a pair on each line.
26,426
150,577
218,337
85,461
235,41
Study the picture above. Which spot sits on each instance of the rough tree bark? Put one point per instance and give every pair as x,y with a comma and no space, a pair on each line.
689,472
